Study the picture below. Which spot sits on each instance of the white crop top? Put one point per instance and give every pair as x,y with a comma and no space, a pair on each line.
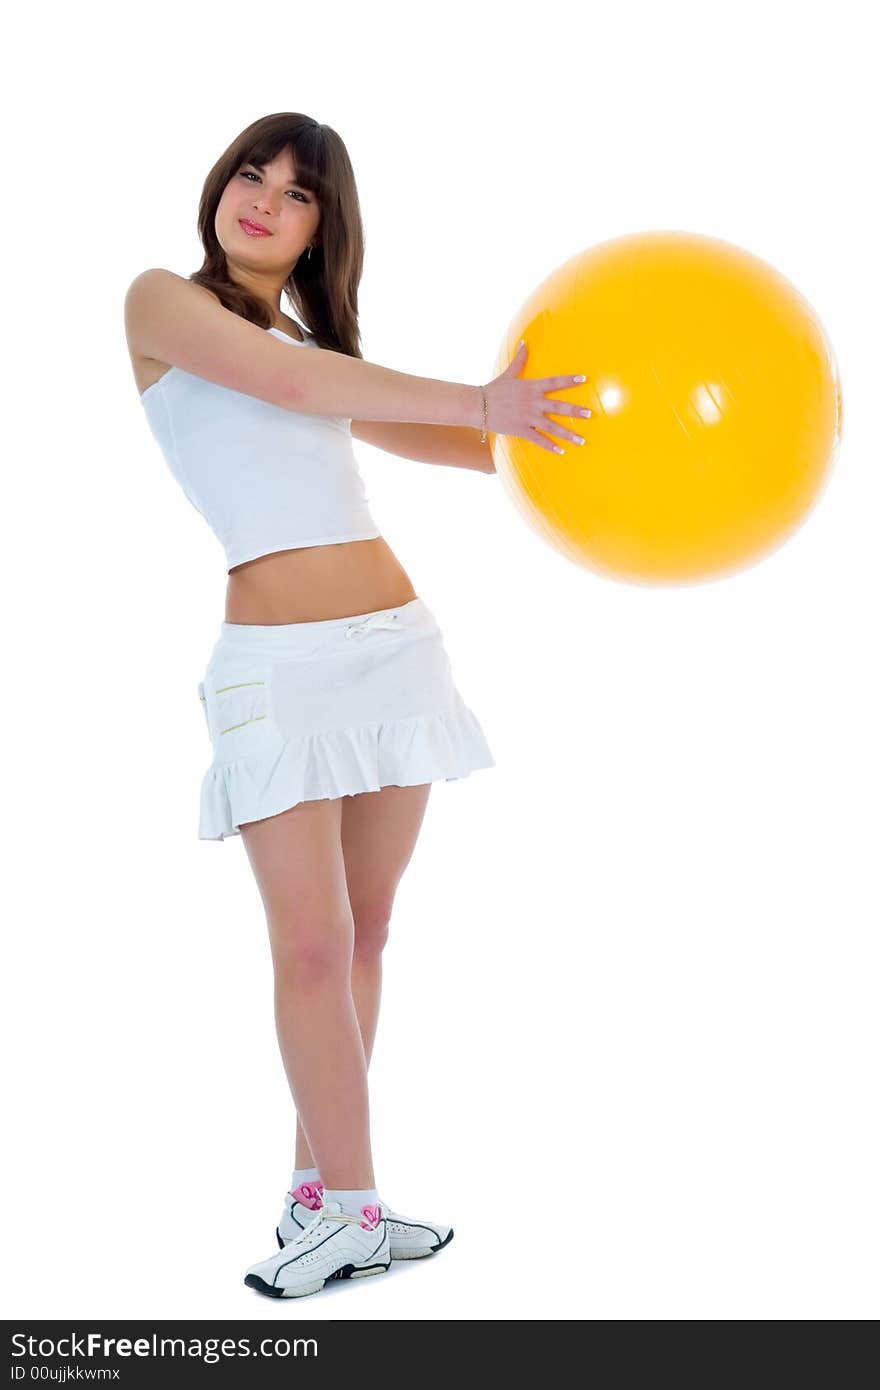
264,478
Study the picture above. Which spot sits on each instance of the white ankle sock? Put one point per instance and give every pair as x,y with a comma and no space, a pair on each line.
352,1199
303,1175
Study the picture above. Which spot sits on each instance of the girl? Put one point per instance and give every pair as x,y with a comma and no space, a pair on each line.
328,696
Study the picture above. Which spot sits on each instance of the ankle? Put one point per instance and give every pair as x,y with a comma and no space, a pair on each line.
301,1175
367,1186
352,1199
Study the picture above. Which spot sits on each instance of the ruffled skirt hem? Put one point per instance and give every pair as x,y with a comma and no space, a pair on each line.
444,746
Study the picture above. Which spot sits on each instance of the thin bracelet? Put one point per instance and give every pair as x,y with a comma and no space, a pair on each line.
485,414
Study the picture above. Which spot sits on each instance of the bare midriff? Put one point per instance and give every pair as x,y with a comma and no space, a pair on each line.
311,583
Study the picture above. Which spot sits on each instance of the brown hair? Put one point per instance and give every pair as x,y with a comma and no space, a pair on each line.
322,287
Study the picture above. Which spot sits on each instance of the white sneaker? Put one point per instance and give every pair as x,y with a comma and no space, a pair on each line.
334,1245
408,1239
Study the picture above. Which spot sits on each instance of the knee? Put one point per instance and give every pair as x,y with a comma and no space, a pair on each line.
312,953
371,922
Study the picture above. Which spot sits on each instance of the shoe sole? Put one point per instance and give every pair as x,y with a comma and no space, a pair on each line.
395,1254
419,1254
254,1281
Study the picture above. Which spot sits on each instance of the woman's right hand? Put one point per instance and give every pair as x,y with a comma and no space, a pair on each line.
517,405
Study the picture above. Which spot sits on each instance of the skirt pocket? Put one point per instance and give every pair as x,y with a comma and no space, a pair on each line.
237,708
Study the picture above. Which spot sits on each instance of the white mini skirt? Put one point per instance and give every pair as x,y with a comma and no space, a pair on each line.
305,711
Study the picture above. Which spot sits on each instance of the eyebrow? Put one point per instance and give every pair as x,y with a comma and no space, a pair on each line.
262,169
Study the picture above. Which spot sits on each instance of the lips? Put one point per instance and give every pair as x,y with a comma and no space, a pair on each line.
253,228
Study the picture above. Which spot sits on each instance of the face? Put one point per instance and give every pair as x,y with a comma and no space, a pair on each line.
272,199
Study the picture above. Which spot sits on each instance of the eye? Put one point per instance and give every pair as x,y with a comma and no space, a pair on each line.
249,174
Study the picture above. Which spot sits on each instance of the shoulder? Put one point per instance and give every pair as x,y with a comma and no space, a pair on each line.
173,322
156,290
156,282
149,281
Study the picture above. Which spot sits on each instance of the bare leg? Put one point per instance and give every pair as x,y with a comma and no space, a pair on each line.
379,833
297,860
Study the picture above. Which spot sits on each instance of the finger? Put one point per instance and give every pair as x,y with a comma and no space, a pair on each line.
560,383
562,433
545,444
519,357
569,408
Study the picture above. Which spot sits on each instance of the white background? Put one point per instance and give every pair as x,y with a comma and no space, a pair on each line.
628,1038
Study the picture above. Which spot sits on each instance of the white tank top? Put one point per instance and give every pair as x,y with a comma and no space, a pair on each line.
264,478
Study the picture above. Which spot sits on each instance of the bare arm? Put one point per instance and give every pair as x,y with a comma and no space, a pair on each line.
332,383
182,324
453,445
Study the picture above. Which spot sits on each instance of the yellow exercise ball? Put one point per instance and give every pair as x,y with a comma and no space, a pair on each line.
716,408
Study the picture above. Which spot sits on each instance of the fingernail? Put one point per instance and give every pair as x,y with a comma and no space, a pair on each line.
557,450
580,378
